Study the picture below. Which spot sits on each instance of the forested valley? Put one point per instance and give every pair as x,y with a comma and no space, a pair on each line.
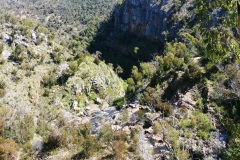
119,79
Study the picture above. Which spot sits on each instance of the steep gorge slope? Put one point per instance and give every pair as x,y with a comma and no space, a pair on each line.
154,19
66,100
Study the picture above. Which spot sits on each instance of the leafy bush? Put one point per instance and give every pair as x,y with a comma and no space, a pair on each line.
1,48
203,135
2,125
164,107
137,76
200,122
2,92
203,121
18,54
130,89
119,149
97,61
147,70
48,80
73,65
2,60
2,89
148,96
119,102
80,57
193,72
106,133
131,85
157,127
8,149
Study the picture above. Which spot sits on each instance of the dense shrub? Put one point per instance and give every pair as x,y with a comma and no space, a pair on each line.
48,80
199,121
119,149
19,53
137,76
193,72
164,107
106,133
119,102
8,149
73,65
1,48
2,88
2,92
2,61
157,128
97,61
131,86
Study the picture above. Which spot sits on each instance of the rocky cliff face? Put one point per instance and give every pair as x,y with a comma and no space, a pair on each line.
154,18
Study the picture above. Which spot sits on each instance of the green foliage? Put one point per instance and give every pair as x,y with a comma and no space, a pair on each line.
203,135
42,29
19,53
218,41
58,55
89,146
147,97
193,72
172,136
137,76
80,57
2,125
200,122
232,152
88,143
22,127
199,103
51,36
148,82
106,134
119,102
124,117
147,70
2,92
26,129
178,49
119,70
157,127
10,18
152,98
49,80
226,83
203,7
131,86
8,149
131,89
2,88
140,113
174,58
97,61
119,149
1,48
29,23
2,61
73,65
164,107
130,81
